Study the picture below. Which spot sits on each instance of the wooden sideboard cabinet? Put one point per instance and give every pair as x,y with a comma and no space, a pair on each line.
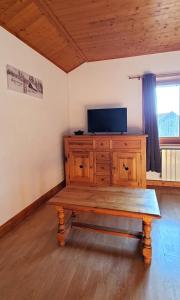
118,160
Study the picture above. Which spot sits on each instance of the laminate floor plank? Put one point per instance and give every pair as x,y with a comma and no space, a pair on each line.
92,266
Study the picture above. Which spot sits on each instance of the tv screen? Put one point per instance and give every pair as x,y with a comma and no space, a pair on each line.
107,120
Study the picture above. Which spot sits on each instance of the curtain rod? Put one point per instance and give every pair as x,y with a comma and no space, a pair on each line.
157,75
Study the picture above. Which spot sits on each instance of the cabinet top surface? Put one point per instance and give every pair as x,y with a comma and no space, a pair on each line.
107,136
137,201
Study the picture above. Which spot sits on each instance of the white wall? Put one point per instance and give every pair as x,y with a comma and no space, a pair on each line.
31,129
106,83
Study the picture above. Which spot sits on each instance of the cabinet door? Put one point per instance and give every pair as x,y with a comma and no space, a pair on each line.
81,167
126,169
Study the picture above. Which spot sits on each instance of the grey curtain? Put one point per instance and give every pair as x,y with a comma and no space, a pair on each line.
153,162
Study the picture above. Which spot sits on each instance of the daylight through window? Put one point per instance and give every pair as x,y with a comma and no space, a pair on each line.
168,110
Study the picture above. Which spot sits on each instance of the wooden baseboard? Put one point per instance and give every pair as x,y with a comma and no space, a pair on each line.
10,224
161,183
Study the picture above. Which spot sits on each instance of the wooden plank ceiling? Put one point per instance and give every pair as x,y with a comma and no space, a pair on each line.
71,32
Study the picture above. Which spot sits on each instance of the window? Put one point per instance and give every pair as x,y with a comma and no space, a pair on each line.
168,110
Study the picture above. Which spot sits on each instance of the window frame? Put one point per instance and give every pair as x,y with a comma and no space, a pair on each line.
170,140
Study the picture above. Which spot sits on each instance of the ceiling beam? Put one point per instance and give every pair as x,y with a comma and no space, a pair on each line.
44,7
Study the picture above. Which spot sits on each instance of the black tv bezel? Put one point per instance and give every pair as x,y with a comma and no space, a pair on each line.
106,132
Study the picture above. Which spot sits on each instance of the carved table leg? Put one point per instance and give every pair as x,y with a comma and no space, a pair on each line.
61,226
147,249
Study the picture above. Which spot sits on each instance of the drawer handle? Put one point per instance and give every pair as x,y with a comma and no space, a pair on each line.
125,144
125,167
102,155
102,179
102,144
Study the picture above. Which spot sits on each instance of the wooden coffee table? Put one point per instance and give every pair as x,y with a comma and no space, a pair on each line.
123,202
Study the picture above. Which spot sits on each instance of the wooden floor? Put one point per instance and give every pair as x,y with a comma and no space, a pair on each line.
91,266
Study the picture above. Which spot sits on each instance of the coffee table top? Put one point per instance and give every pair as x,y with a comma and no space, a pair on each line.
142,202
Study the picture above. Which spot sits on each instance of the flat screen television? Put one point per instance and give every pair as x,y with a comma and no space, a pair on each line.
107,120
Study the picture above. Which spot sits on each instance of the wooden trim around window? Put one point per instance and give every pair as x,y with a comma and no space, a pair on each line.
170,141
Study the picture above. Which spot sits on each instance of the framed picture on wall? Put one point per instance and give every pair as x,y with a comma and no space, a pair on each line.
22,82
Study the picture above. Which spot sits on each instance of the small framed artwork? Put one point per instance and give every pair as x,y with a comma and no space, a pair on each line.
22,82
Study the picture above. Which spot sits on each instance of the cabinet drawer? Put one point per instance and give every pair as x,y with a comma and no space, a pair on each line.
101,156
102,144
81,144
126,144
103,180
103,168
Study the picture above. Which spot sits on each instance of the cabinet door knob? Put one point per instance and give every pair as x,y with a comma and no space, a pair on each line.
81,166
125,167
